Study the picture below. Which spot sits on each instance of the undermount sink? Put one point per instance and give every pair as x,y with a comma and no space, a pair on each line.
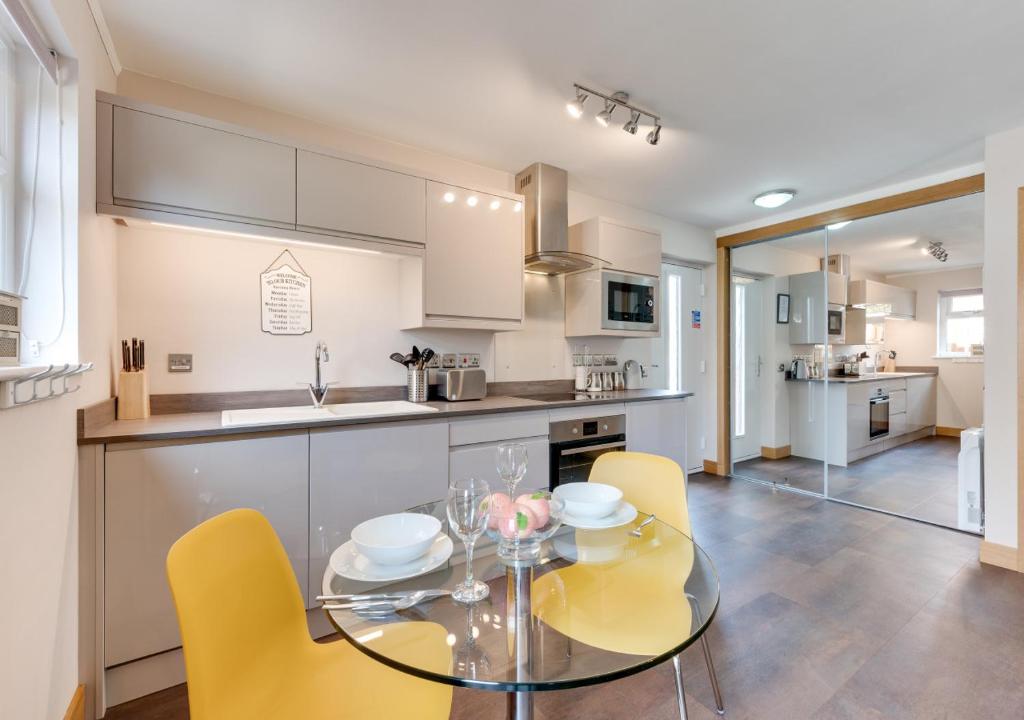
276,416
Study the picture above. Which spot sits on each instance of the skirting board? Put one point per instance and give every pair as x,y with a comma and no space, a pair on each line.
76,708
713,468
948,431
776,453
1000,556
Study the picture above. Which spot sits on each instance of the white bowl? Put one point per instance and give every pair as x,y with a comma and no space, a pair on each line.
396,539
589,499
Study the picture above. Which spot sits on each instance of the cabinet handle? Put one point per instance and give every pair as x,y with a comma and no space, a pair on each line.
810,404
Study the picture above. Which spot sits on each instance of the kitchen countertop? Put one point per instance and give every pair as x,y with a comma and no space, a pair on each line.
208,424
868,378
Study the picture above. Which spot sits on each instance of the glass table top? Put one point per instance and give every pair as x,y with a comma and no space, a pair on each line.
598,605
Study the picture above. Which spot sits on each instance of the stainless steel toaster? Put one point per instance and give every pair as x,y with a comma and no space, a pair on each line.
462,384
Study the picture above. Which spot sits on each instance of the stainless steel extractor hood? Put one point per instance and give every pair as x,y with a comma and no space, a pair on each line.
547,221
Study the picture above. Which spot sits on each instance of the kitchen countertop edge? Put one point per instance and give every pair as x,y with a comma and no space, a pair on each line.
208,424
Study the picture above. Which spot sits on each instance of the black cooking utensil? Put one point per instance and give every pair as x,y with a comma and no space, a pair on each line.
425,357
398,358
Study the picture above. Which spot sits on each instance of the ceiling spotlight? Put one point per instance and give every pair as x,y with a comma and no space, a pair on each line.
517,207
449,197
654,135
575,108
495,204
773,198
605,116
471,201
839,225
631,124
936,250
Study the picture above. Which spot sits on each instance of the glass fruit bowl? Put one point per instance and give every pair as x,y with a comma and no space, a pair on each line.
519,526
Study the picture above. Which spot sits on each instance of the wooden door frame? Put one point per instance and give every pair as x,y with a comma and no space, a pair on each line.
1020,379
809,223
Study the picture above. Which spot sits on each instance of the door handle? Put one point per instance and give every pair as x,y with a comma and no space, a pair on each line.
759,364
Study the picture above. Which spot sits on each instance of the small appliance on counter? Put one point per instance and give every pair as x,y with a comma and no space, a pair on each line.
462,384
10,328
799,369
634,374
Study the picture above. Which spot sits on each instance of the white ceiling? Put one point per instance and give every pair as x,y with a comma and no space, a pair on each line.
830,98
891,243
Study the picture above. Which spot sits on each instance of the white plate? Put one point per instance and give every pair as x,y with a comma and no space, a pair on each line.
625,514
347,562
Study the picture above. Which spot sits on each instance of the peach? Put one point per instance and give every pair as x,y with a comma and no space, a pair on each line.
500,507
520,521
538,502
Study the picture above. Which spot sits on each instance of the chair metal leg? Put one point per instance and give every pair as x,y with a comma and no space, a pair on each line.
719,705
680,693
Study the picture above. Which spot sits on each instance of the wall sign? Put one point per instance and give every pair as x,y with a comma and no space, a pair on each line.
695,319
286,306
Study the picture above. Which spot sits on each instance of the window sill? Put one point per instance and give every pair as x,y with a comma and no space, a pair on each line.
959,358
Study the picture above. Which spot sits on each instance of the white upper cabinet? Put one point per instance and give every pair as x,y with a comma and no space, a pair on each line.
351,198
473,266
165,164
621,247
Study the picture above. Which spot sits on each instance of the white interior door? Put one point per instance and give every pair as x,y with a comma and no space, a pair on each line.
747,367
678,354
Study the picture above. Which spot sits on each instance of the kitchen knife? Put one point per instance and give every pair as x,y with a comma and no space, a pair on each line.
142,354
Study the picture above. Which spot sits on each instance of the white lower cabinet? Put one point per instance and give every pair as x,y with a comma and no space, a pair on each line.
361,472
657,427
921,402
155,494
479,461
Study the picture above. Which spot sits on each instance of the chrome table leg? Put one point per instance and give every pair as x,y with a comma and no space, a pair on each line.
519,705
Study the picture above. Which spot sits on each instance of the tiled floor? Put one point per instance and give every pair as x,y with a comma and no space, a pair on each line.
918,479
828,613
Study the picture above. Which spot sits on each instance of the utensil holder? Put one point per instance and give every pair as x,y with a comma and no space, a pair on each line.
133,395
417,385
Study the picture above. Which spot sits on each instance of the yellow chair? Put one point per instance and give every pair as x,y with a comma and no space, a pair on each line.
599,604
248,653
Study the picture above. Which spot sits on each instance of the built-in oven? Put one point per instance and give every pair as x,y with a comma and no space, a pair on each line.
577,444
629,302
878,416
836,324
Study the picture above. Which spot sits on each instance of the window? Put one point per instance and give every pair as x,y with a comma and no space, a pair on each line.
961,322
8,171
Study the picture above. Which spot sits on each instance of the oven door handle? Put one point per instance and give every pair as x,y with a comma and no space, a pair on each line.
589,448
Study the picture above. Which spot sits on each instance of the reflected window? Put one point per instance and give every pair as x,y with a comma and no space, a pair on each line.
961,323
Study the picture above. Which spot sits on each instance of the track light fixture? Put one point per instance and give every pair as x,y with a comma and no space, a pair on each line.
575,108
611,102
936,250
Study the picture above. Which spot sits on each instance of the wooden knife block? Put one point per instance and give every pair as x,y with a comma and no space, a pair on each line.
133,395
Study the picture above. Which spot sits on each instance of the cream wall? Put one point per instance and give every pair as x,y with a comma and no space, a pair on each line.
915,342
1004,174
38,497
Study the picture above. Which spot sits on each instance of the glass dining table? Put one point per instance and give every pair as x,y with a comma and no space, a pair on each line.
598,605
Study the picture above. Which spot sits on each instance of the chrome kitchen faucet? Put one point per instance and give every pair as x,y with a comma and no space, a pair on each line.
318,388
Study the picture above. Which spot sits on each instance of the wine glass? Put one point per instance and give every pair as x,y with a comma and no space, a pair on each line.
511,464
469,503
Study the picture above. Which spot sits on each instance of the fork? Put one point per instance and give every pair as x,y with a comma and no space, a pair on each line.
383,606
636,531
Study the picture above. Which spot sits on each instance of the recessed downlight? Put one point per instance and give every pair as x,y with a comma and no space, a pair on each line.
449,197
495,204
774,198
517,207
472,201
839,225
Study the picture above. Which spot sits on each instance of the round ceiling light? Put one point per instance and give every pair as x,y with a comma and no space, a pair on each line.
774,198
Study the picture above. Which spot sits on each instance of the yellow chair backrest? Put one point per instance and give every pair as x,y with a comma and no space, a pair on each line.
239,608
651,483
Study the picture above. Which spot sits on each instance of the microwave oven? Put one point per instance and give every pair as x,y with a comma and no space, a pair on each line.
629,302
836,324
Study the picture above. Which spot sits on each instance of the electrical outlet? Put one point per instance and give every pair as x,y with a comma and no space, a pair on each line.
597,360
434,362
611,360
179,362
577,360
474,360
33,348
449,360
